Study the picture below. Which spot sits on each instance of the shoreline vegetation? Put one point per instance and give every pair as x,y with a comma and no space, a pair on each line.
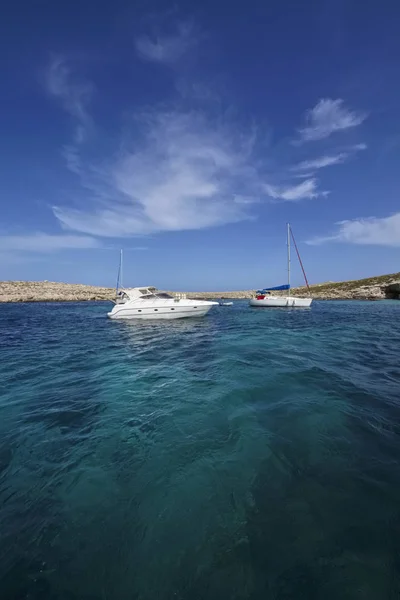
372,288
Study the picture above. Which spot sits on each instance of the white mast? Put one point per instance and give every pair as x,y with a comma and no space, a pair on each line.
120,263
288,255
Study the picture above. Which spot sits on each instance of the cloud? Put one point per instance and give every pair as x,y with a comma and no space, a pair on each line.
43,242
303,175
328,160
184,171
166,49
74,96
366,231
327,117
72,158
305,189
176,169
321,162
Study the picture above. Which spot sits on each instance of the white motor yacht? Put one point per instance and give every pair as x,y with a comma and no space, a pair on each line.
148,303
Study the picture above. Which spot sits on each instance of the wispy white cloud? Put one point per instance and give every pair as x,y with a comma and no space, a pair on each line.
327,117
72,158
368,231
43,242
166,49
328,160
74,95
303,175
181,169
293,193
321,162
185,172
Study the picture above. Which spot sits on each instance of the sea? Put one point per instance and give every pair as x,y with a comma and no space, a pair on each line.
251,454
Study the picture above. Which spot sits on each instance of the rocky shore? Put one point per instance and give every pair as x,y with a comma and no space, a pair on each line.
373,288
48,291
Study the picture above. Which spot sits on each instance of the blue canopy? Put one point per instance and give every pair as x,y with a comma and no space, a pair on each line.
278,288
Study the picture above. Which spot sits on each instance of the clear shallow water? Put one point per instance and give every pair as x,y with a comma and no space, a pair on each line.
252,454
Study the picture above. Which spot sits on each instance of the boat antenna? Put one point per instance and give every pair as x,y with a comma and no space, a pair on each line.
121,257
300,261
119,276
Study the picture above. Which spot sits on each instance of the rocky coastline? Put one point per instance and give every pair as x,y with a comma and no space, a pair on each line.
373,288
48,291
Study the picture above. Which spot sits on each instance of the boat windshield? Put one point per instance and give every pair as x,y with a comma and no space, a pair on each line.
158,295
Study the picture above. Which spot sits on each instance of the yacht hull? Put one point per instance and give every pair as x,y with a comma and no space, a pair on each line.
174,312
281,302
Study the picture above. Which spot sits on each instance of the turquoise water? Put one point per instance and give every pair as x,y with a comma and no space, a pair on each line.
252,454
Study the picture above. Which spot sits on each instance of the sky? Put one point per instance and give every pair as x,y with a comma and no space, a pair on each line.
188,134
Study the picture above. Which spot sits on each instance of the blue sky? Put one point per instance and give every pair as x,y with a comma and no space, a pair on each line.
189,134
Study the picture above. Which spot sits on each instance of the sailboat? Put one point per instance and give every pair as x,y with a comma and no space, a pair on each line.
264,298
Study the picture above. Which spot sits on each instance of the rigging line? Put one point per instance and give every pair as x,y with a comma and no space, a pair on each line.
300,261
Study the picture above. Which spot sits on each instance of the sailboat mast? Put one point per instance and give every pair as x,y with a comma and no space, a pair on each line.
288,255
